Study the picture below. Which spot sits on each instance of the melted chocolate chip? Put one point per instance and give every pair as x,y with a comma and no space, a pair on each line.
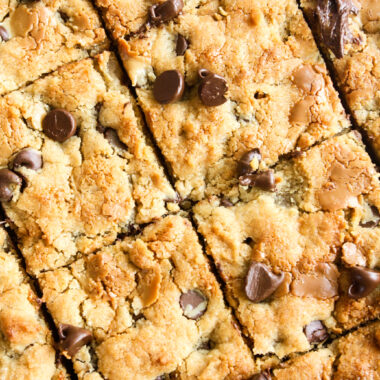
262,376
193,304
315,332
164,12
261,282
59,125
72,338
169,87
181,45
263,180
4,35
8,180
30,158
332,18
363,282
244,164
113,138
226,203
212,88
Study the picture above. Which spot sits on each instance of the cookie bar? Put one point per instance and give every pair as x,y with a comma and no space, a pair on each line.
301,263
26,344
209,95
355,356
152,308
76,167
349,33
36,37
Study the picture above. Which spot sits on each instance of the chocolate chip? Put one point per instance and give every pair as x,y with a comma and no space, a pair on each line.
212,88
72,338
181,45
315,332
193,304
332,18
59,125
261,282
113,138
226,203
244,165
30,158
4,35
263,180
262,376
164,12
374,222
363,282
169,87
8,180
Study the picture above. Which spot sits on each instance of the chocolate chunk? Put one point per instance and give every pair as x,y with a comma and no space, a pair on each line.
164,12
363,282
262,376
30,158
212,88
72,339
113,138
261,282
59,125
181,45
226,203
8,180
193,304
263,180
169,87
4,35
244,165
375,219
315,332
332,18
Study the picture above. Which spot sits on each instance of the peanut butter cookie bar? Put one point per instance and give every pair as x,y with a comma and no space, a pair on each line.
350,32
301,263
75,166
147,307
36,37
225,78
26,344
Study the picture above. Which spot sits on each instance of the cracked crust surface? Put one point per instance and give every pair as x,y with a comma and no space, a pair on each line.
87,190
358,72
127,295
26,344
301,230
44,35
354,356
267,107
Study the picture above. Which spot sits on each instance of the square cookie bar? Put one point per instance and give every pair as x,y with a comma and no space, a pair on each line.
301,263
26,344
36,37
355,356
350,35
76,167
231,77
150,307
